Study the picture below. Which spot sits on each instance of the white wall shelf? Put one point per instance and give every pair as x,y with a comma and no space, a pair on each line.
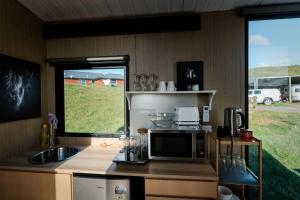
211,94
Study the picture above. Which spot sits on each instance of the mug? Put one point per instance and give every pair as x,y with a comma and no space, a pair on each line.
171,86
162,86
195,87
225,193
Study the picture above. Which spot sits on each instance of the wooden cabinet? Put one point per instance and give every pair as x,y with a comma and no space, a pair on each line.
16,185
159,189
169,198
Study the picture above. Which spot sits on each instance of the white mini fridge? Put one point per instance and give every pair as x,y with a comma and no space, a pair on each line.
100,188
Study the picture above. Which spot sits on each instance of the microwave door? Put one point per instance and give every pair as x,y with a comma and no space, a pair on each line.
171,145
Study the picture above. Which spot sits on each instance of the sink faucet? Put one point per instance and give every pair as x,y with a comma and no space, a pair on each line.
52,120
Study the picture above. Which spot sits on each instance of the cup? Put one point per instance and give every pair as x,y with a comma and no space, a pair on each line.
225,193
171,86
162,86
195,87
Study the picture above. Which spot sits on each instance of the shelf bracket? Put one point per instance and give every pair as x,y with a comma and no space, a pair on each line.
211,97
128,99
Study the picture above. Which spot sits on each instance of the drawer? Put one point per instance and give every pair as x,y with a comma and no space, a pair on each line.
181,188
169,198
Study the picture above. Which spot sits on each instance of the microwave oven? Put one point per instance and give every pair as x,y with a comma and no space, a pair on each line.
177,143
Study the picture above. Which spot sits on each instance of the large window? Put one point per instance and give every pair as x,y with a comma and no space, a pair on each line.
94,100
90,100
274,112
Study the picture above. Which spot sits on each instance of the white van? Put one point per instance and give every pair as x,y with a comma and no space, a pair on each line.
296,92
266,96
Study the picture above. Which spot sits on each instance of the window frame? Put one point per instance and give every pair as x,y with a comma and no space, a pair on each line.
60,101
246,56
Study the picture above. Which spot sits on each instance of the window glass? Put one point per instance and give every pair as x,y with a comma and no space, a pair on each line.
249,92
94,100
273,67
257,92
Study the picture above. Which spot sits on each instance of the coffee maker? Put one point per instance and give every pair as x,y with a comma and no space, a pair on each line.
234,120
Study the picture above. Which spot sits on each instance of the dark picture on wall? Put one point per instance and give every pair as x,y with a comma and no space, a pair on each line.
20,89
190,75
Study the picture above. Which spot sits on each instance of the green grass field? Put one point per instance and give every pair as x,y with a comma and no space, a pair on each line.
90,109
274,71
280,133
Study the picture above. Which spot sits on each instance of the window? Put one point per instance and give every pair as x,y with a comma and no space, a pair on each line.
90,100
257,92
297,89
249,92
274,65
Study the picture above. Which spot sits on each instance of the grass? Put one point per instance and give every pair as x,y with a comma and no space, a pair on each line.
90,109
275,71
280,133
286,104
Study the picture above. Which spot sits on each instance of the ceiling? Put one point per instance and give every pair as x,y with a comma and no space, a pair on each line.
67,10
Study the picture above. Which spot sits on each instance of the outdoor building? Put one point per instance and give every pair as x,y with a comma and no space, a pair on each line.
96,79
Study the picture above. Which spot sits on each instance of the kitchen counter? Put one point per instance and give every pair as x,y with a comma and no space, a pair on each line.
167,170
97,159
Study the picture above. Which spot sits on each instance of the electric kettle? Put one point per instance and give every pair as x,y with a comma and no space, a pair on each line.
234,119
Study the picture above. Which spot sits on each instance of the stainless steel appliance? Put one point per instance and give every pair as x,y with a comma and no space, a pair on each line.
234,119
186,143
187,115
89,187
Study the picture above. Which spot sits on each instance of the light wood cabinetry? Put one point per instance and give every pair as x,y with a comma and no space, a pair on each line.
156,189
169,198
35,186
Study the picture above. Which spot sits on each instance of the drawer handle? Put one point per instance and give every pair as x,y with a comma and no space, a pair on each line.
100,187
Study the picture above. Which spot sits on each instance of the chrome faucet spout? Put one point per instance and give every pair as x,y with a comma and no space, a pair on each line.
52,120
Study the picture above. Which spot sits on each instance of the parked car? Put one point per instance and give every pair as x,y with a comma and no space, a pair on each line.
266,96
295,92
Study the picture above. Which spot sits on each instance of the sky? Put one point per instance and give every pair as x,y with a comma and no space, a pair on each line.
274,42
104,71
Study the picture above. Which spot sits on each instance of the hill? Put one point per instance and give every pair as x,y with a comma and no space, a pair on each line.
292,70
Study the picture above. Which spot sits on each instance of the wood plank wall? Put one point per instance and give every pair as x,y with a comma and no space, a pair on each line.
219,43
21,37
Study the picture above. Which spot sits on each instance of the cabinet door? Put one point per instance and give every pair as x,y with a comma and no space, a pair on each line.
169,198
181,188
89,188
34,186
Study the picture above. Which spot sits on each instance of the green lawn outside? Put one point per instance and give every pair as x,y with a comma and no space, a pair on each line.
280,133
292,70
91,109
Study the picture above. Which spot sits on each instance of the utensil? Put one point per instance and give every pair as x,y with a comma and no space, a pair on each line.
171,86
231,121
187,115
162,119
136,83
224,193
162,86
144,82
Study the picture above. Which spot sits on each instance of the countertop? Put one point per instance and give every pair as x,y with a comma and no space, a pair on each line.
97,159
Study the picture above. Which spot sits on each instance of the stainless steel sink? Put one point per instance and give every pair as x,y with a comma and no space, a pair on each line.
55,154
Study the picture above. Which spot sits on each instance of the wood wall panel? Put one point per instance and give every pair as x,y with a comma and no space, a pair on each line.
21,37
219,44
35,186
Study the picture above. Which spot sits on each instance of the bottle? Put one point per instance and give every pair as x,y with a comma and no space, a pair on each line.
44,135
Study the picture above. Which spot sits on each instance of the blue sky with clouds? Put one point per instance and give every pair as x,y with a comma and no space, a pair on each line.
274,42
105,71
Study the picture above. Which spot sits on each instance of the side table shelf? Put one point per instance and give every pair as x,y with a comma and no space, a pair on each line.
237,176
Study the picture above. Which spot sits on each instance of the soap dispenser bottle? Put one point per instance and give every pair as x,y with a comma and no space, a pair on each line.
44,135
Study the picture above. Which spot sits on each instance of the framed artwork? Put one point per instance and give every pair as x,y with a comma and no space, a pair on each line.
20,89
190,75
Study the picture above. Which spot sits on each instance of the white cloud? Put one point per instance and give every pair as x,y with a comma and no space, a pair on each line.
258,40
